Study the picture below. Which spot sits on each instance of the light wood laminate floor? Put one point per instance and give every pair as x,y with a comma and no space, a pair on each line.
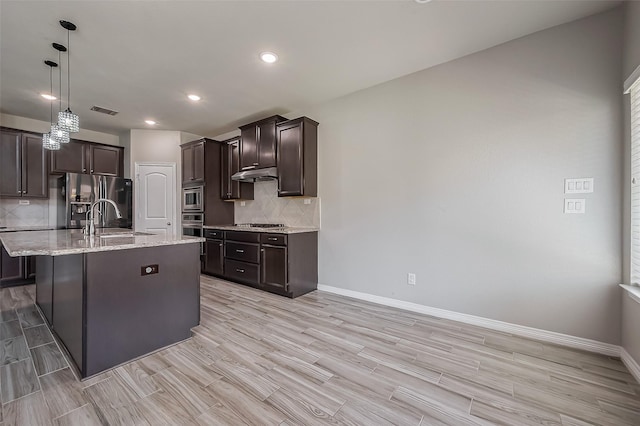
262,359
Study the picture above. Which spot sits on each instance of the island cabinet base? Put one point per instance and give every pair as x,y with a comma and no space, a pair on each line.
111,307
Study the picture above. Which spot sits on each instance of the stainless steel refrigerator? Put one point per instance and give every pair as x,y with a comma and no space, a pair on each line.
78,191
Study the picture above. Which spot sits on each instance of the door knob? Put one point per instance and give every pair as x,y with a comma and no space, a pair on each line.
168,223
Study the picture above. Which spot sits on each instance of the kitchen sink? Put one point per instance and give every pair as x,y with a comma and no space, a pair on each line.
125,234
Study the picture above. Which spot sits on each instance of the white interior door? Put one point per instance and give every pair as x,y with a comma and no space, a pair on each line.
156,198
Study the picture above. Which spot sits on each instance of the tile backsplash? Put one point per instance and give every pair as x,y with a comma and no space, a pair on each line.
267,207
12,213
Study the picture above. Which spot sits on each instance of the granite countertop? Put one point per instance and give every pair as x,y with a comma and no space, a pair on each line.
73,241
26,228
285,230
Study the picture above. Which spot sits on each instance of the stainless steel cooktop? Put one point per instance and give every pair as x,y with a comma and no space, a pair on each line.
260,225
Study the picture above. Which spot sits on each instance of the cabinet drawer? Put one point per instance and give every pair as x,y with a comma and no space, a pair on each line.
274,239
242,271
214,234
247,237
242,251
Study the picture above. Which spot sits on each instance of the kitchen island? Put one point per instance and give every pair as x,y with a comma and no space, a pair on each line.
115,296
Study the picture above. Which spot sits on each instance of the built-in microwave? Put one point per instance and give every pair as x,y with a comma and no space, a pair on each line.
192,200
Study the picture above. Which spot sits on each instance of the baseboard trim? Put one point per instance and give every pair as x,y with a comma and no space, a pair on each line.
520,330
630,363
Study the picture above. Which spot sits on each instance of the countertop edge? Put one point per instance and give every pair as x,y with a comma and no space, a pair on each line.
27,228
286,230
81,250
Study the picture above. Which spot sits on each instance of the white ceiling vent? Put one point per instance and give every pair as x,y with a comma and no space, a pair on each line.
103,110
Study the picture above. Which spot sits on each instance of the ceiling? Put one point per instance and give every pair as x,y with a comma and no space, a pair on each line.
142,58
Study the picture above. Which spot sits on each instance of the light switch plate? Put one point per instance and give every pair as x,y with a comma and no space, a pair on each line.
24,202
574,205
578,186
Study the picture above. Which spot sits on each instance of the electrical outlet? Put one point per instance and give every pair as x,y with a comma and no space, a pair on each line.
574,205
307,201
23,203
411,279
242,203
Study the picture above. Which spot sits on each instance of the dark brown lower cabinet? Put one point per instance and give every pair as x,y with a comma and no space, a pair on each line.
242,272
16,270
285,264
30,264
214,257
274,267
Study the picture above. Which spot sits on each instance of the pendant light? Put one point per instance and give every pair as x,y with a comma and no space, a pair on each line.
58,133
67,120
47,141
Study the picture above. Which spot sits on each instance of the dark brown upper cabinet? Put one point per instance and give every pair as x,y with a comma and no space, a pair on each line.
231,189
70,158
105,160
258,143
297,144
88,158
193,162
23,161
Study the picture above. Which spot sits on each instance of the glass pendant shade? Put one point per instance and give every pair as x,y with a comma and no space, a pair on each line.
50,144
59,135
68,121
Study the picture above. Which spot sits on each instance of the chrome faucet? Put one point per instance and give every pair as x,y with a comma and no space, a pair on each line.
90,228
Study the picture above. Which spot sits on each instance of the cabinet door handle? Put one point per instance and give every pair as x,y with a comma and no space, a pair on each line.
263,267
84,170
220,244
91,170
256,164
272,239
239,251
249,167
240,270
24,192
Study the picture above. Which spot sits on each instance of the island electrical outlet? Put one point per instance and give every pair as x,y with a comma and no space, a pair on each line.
411,279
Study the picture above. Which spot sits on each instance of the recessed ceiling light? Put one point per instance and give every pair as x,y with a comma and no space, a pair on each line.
193,97
150,122
48,96
423,1
268,57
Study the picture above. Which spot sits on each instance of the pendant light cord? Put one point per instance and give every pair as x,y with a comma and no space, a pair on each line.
59,84
68,70
51,91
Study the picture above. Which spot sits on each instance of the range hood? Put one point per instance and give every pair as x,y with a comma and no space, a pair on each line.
255,175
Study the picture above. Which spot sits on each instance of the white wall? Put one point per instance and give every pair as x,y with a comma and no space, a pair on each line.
188,137
29,124
631,60
456,173
631,56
